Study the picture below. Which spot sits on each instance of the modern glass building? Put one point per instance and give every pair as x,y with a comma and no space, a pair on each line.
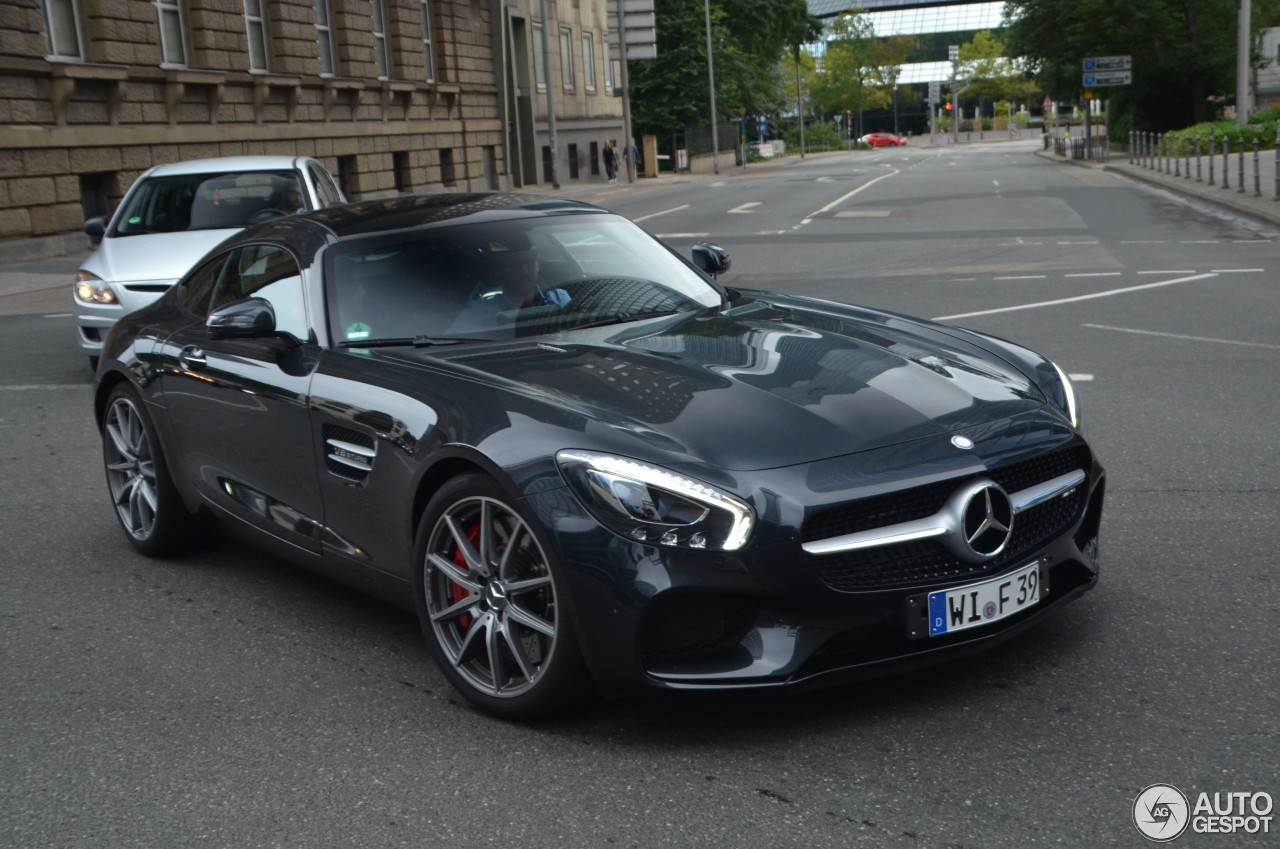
936,24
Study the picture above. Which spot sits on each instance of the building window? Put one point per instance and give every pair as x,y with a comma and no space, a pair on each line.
588,62
173,43
380,40
539,61
428,41
348,177
608,67
324,38
62,22
400,167
256,25
447,174
566,58
573,162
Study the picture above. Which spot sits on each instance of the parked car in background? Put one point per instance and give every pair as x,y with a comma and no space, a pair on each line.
174,214
578,456
883,140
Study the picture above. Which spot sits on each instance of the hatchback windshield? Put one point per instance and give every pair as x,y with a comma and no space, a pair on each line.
210,202
507,278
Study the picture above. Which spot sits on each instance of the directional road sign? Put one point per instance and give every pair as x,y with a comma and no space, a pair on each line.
1108,78
1108,63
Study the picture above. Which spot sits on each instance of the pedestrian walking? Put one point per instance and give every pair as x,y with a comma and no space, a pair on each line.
610,154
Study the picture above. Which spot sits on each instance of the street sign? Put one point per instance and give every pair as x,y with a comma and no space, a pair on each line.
1108,63
935,92
1108,78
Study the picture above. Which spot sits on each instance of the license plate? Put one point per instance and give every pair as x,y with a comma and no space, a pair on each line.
981,604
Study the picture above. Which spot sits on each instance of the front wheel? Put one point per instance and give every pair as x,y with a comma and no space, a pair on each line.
490,599
147,503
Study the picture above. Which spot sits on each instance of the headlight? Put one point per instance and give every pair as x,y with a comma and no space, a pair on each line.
93,290
652,505
1065,396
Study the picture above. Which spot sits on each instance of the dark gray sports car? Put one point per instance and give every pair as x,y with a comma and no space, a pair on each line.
581,458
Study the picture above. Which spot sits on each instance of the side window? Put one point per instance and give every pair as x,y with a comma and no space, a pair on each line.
197,291
326,191
270,272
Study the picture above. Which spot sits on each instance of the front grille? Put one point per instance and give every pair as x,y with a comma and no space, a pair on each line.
680,627
925,562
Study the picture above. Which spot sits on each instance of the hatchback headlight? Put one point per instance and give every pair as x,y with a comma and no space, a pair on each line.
93,289
652,505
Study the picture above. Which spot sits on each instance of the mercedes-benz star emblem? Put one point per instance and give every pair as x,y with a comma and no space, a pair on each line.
987,521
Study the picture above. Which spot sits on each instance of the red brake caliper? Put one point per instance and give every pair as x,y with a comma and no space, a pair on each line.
457,592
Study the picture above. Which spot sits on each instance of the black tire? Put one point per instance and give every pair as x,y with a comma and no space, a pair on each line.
147,503
490,598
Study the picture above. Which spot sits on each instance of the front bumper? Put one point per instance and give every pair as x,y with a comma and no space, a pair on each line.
773,616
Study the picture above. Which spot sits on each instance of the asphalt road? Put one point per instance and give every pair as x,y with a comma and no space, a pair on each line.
229,699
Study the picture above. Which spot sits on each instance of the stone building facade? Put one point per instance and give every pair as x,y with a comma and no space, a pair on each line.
392,96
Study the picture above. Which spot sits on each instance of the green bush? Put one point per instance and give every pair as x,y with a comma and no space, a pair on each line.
816,137
1118,130
1264,132
1265,116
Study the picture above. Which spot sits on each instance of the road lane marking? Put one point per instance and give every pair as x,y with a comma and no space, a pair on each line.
656,214
1080,378
848,195
745,208
1184,337
1237,270
682,235
1096,274
1171,271
1076,299
43,387
1023,277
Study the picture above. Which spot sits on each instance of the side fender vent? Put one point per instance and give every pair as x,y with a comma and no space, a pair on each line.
348,453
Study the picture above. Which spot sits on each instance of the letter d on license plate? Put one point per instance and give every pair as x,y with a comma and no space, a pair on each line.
985,602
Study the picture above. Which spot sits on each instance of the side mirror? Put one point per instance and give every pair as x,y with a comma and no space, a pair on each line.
711,258
95,228
250,318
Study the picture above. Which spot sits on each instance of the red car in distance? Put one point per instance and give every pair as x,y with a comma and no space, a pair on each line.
883,140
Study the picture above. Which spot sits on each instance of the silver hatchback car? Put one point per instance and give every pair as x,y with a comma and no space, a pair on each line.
172,216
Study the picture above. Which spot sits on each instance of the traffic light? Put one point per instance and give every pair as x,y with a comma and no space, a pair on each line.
948,106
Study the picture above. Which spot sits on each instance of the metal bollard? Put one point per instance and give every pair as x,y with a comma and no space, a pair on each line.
1240,182
1131,147
1226,162
1177,157
1257,174
1213,146
1159,150
1277,197
1198,171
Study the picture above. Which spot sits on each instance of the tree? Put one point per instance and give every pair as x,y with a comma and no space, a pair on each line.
991,76
859,71
748,38
1183,51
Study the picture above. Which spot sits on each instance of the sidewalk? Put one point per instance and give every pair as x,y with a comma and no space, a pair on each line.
1189,176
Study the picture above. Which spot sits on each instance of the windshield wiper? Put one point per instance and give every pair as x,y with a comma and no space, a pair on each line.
404,341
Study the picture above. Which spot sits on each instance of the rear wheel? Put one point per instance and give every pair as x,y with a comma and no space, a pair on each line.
146,501
490,598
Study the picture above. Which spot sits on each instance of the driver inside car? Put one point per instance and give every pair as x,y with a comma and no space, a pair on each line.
509,282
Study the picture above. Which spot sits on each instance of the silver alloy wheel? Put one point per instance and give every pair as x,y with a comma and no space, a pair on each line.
131,468
490,597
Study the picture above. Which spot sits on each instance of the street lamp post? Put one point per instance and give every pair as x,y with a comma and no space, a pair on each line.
711,79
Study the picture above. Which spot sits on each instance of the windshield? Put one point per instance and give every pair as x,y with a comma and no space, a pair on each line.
503,279
210,201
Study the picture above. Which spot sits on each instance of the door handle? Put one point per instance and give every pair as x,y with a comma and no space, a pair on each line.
192,358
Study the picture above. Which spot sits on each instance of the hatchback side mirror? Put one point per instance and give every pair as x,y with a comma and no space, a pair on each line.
712,259
95,228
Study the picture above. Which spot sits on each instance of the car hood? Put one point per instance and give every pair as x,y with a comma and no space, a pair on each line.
154,256
766,384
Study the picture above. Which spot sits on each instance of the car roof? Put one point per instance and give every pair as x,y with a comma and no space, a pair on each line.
226,163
